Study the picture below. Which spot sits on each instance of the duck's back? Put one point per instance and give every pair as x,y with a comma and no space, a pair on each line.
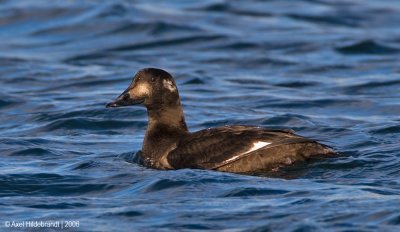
243,149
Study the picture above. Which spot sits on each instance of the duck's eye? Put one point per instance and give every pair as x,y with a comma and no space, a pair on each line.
153,79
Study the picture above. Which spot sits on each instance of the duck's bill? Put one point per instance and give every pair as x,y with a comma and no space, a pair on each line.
124,100
117,103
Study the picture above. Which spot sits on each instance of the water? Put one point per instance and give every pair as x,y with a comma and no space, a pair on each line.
328,70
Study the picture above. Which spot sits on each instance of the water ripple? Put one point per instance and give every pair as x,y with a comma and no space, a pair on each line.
369,47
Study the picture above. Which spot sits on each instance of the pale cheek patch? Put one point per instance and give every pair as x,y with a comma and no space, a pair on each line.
169,85
140,90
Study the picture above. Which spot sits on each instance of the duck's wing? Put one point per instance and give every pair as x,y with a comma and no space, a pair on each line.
212,148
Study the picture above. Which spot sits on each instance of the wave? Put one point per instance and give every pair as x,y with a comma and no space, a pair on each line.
368,47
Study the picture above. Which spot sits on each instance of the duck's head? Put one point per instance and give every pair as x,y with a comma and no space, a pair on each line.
151,87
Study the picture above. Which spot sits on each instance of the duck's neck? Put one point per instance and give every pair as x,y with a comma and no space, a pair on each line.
165,126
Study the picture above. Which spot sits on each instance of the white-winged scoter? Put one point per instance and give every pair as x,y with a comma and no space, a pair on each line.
168,144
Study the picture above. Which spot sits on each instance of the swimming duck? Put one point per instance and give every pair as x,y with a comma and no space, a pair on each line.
168,144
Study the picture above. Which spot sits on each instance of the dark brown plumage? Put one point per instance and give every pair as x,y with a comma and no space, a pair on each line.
242,149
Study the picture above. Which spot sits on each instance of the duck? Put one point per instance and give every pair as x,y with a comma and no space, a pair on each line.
169,145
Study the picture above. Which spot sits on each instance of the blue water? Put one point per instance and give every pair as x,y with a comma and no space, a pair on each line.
327,69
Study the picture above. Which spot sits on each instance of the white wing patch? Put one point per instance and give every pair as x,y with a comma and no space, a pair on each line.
233,158
169,85
256,146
